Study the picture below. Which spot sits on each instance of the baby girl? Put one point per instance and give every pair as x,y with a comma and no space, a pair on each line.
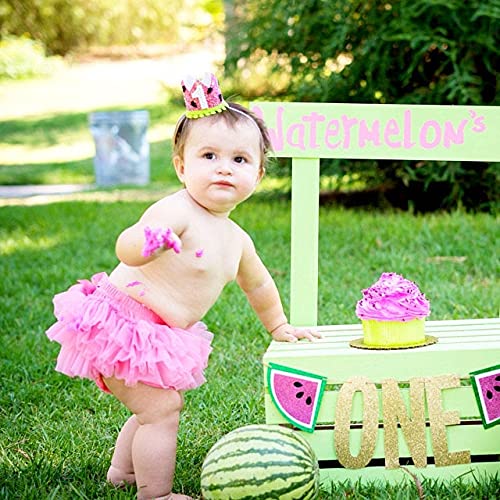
137,333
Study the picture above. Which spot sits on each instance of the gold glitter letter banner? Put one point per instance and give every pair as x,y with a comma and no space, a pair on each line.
343,422
413,429
439,419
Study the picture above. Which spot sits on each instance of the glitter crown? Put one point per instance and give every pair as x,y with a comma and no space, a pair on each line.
202,96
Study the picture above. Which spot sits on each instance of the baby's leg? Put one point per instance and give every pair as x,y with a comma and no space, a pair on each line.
121,470
154,442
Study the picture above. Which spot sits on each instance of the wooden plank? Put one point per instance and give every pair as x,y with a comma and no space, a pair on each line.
304,242
461,399
458,333
464,321
446,331
341,342
466,472
402,365
463,324
411,132
340,336
453,324
459,355
475,438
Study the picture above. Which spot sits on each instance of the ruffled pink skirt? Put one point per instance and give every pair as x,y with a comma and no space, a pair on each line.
103,332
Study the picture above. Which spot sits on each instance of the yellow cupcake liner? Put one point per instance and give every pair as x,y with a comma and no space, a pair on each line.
382,335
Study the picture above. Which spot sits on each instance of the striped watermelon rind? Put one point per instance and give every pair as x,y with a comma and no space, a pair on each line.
260,462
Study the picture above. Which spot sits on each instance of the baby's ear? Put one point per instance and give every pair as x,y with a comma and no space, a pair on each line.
179,167
260,175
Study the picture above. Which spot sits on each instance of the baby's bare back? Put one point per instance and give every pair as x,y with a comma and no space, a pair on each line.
182,287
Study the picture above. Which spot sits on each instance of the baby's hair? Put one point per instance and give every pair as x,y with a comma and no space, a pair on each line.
233,114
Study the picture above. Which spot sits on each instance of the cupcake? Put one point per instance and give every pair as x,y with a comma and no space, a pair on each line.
393,312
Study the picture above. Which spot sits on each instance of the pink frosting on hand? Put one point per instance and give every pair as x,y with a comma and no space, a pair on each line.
392,298
171,240
158,238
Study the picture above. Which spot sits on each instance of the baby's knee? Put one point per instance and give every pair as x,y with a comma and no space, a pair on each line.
164,408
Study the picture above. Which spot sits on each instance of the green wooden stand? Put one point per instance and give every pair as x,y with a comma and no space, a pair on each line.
307,132
463,346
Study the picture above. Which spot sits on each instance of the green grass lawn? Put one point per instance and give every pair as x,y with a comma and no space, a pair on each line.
57,434
58,148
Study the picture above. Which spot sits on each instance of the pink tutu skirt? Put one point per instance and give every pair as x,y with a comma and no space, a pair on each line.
103,332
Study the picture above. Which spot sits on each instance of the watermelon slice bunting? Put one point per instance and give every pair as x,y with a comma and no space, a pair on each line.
486,383
297,394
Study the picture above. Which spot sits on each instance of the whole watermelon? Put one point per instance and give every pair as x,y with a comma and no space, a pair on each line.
260,462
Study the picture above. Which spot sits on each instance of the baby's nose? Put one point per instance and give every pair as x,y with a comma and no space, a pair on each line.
224,167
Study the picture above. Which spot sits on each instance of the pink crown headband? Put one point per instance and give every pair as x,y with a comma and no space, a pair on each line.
202,96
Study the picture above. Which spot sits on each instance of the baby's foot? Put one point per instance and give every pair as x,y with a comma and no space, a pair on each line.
119,478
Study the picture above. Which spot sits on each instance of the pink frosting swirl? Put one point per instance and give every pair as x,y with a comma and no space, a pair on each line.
392,298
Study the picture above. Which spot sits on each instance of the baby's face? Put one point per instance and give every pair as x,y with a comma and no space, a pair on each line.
220,167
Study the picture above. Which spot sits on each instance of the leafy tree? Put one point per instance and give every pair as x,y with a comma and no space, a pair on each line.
380,51
66,25
412,51
25,58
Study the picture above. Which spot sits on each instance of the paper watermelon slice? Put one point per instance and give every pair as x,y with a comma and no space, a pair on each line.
486,383
297,394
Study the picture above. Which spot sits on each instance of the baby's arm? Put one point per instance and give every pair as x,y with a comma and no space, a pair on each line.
262,294
157,230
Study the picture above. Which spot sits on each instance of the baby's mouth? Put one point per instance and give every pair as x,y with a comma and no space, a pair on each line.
224,183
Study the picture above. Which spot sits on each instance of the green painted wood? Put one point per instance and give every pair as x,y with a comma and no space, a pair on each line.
475,331
412,132
456,334
377,367
460,399
475,438
464,346
334,358
309,131
304,242
466,472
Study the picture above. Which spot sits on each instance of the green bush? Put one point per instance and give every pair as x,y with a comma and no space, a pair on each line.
377,51
24,58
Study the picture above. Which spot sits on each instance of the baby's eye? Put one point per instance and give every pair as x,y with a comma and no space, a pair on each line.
239,159
209,156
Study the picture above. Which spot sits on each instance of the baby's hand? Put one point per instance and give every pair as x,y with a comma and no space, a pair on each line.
288,333
159,238
171,240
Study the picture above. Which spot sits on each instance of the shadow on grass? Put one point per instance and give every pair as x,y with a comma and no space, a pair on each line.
46,478
47,130
82,171
41,132
72,172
